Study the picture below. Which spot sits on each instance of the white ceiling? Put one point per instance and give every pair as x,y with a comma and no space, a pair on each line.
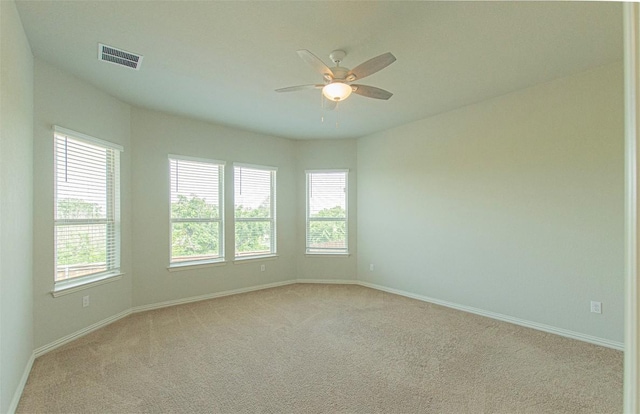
221,61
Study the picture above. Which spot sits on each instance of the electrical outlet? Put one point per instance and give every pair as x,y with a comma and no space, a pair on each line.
263,268
596,307
371,267
85,301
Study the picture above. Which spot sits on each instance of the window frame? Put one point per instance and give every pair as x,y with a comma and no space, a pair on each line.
273,212
112,221
176,265
330,252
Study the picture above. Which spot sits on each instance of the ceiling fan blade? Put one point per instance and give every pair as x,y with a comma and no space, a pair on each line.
315,62
299,88
371,66
371,92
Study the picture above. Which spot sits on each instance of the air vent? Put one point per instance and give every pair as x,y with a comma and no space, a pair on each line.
119,57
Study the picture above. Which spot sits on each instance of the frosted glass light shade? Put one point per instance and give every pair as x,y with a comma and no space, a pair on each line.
336,91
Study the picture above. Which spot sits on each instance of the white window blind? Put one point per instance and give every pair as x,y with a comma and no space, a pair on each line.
196,210
87,206
254,210
327,212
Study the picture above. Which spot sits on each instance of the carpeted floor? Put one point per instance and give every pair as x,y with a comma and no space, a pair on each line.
322,349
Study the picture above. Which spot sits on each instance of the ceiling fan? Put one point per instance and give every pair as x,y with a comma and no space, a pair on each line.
338,80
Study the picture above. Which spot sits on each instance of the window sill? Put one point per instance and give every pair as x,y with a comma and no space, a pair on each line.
179,267
319,255
241,260
71,286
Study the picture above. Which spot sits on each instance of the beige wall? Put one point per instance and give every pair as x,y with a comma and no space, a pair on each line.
16,200
317,155
61,99
513,205
154,136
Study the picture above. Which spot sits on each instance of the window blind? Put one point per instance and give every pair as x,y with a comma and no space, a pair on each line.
196,209
327,212
254,210
87,206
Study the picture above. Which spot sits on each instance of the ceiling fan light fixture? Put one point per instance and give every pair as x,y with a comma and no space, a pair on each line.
337,91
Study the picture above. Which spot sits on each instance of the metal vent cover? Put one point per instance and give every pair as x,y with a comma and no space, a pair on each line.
119,57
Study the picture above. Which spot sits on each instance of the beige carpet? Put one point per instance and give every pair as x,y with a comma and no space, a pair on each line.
322,349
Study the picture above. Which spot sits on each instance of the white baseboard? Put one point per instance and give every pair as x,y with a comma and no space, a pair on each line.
505,318
529,324
517,321
23,381
82,332
168,303
328,281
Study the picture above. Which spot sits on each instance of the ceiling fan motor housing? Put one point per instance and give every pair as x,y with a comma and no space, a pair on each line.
339,73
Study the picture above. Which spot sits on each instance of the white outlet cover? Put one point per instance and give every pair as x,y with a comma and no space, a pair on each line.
596,307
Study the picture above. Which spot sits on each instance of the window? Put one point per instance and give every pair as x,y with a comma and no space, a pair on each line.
254,210
327,212
196,210
87,208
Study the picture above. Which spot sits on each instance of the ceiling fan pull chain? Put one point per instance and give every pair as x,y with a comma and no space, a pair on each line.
337,114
